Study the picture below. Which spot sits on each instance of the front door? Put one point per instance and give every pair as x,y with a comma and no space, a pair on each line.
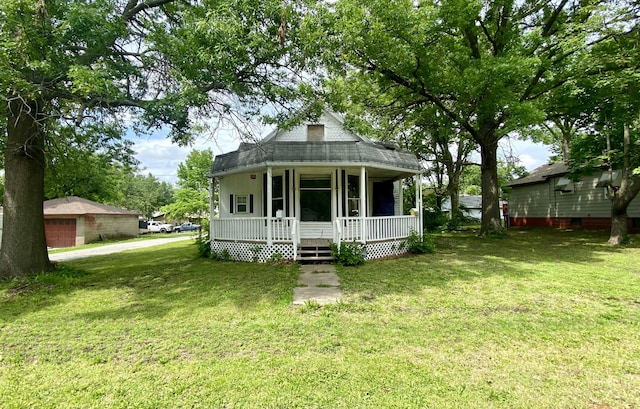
315,198
315,206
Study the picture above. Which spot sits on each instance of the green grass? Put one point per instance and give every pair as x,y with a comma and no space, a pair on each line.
538,319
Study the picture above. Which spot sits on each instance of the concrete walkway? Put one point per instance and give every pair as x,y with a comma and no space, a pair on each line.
318,283
116,248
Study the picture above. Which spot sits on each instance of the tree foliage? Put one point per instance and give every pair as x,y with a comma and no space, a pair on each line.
142,63
191,199
483,64
612,143
143,194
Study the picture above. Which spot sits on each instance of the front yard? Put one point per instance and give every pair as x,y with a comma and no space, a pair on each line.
539,319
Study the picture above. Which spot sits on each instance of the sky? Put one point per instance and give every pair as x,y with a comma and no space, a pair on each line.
160,157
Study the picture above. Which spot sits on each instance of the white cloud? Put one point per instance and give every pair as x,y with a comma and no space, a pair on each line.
160,157
530,154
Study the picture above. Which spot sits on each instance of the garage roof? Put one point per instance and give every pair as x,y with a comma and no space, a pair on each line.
73,205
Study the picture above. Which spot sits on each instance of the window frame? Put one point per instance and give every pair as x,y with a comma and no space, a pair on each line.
237,204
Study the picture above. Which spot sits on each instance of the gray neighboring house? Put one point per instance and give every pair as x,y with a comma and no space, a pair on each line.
309,186
471,205
548,198
73,221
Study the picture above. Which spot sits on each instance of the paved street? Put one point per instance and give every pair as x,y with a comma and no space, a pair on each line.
116,248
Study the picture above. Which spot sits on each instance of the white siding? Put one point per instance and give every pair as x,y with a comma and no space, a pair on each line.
316,230
333,131
240,184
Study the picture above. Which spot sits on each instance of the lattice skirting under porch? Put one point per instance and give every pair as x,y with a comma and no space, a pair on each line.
261,252
381,249
256,252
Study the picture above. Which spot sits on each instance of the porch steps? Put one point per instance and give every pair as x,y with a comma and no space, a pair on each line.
314,251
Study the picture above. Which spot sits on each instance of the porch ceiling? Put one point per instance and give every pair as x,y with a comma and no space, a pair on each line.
382,160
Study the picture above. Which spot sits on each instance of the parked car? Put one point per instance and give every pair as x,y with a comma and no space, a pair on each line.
187,227
159,227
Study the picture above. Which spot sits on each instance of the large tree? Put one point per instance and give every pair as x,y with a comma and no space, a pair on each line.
484,64
150,63
615,114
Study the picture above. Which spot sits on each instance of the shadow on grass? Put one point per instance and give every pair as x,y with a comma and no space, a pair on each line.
466,257
151,283
158,281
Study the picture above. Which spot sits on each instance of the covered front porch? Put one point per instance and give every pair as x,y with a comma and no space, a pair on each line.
295,206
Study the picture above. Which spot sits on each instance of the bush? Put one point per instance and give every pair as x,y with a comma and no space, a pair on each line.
434,219
348,254
417,244
204,246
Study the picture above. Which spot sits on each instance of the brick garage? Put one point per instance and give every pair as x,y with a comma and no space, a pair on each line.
73,221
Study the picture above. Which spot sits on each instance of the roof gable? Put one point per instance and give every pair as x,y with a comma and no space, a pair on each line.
337,146
73,205
334,131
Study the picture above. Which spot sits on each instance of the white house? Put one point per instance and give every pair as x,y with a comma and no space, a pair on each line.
297,190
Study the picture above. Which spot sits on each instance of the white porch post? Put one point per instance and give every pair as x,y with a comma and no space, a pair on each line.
269,204
419,202
212,205
363,204
290,195
340,194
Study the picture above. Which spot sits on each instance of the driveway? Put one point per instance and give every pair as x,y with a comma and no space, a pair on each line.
115,248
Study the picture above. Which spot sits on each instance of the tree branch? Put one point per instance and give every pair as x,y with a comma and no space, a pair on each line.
132,8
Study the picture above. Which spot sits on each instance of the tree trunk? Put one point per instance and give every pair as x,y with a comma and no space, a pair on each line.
454,196
490,195
622,197
619,222
24,254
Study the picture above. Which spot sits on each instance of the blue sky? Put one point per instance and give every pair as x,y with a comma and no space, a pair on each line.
160,157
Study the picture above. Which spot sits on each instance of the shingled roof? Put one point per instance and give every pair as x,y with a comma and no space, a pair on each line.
542,173
272,152
73,205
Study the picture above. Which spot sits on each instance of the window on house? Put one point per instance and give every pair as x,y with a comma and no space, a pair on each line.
242,204
564,185
614,178
315,133
353,195
277,195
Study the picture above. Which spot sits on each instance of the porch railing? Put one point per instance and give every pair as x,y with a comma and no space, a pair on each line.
255,229
376,228
287,229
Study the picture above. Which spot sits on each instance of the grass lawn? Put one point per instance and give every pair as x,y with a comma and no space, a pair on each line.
539,319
